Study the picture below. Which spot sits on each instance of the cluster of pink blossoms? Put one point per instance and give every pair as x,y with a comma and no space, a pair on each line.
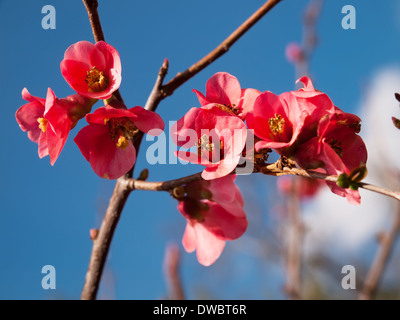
94,72
303,126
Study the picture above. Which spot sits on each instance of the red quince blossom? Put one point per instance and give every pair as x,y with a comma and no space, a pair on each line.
277,121
337,149
314,105
224,89
292,118
107,141
92,70
48,121
214,213
294,53
218,136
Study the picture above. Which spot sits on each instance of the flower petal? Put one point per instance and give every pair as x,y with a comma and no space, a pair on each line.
147,121
223,88
208,246
79,51
100,150
107,112
27,117
189,240
183,131
247,99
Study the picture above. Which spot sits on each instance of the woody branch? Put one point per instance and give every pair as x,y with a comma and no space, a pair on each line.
270,169
122,190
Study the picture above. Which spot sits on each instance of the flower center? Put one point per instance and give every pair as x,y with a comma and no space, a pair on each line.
206,148
96,80
337,147
195,209
276,124
122,130
231,109
205,144
42,124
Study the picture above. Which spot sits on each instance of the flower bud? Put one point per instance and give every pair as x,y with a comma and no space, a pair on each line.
343,181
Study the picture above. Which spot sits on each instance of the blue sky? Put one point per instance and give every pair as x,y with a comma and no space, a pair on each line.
47,211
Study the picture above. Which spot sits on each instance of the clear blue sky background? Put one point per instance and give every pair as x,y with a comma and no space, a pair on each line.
46,212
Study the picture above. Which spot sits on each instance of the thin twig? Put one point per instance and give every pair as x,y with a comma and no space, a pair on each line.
386,244
269,169
157,91
91,8
163,185
102,242
121,191
294,236
310,37
171,272
169,88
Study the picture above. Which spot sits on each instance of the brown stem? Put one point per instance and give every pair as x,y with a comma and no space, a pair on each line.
182,77
310,37
169,88
171,271
121,191
269,169
91,8
294,243
101,244
375,273
157,92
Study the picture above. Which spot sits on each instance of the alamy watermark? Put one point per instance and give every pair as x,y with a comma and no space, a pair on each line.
49,280
349,280
49,20
349,20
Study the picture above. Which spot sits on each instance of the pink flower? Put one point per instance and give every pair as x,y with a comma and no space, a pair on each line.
294,53
286,121
315,105
337,149
92,70
224,89
277,121
48,121
214,213
219,139
107,141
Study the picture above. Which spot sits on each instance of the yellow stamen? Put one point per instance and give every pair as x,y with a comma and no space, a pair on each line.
276,124
42,124
204,145
96,80
106,120
122,142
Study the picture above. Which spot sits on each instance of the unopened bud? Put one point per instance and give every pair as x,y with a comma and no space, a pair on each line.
94,233
358,174
354,185
343,181
396,122
143,175
179,192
